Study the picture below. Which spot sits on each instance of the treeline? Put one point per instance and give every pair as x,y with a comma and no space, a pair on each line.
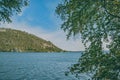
18,41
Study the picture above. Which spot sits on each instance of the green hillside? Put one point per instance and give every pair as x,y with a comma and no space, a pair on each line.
19,41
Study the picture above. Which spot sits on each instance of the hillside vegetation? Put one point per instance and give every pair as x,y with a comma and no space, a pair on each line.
19,41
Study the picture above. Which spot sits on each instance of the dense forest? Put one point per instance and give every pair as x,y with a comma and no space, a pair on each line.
19,41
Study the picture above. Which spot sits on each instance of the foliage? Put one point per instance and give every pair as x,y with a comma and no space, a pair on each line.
10,7
18,41
97,21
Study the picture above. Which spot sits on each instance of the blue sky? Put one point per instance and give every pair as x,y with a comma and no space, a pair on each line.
39,18
41,12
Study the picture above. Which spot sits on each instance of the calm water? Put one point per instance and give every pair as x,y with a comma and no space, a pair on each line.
36,66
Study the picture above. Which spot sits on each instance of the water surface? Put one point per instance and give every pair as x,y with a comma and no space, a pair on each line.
36,66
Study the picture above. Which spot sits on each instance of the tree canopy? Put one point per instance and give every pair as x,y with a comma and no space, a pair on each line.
97,21
10,7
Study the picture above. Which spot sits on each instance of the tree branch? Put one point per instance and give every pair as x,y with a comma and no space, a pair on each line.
116,16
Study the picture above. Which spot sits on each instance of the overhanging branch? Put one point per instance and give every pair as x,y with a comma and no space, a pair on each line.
116,16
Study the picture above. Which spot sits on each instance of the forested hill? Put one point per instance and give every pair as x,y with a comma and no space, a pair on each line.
19,41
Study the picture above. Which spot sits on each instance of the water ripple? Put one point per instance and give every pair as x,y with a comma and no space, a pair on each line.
36,66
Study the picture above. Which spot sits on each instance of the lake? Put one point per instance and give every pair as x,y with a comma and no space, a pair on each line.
36,66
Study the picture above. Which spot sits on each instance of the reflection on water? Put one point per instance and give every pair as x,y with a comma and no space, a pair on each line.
36,66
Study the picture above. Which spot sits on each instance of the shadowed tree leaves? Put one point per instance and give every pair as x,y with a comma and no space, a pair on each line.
10,7
97,21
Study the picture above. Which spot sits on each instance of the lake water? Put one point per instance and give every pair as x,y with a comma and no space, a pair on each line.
36,66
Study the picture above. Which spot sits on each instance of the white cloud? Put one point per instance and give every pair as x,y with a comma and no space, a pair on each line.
57,37
22,11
